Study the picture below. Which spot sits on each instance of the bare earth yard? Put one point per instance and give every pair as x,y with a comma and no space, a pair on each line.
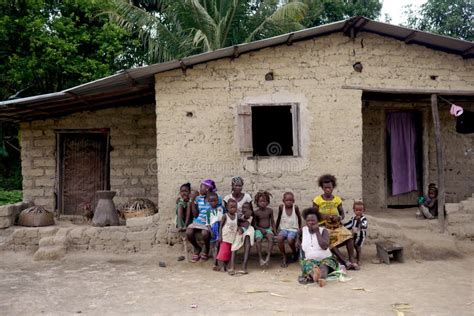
92,283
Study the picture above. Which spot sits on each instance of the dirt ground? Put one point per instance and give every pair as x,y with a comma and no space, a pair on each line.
92,283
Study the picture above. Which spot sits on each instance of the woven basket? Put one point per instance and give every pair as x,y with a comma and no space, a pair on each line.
138,208
36,216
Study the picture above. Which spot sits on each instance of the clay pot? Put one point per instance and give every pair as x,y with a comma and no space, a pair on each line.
105,213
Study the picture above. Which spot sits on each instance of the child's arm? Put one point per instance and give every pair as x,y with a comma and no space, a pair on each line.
340,209
280,211
429,203
298,216
363,223
323,239
220,227
272,222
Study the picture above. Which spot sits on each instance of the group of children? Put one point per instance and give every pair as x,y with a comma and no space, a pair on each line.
226,225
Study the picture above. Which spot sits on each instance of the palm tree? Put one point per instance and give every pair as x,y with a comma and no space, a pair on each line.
177,28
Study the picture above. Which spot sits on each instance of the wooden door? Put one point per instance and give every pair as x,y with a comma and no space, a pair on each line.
83,168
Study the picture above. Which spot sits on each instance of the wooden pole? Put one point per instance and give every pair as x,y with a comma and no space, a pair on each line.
439,161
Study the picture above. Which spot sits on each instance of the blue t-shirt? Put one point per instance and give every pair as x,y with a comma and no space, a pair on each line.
203,206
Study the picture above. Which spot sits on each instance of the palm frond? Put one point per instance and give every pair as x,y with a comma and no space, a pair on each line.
293,11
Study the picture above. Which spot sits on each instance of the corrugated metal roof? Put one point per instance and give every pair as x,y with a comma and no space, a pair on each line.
136,86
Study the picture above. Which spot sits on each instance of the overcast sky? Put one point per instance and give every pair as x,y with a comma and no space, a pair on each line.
395,9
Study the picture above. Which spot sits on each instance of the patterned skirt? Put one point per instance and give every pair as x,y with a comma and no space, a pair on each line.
307,265
338,235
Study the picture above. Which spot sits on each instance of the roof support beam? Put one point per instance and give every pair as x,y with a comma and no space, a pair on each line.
412,91
289,41
410,37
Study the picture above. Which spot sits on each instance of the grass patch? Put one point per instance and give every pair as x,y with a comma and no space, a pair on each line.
10,197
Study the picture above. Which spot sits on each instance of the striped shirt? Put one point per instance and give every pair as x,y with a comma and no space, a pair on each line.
359,228
203,206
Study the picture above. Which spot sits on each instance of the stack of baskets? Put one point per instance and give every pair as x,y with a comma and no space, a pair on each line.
138,208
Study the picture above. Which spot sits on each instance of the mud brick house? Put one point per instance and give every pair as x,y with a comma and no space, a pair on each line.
278,112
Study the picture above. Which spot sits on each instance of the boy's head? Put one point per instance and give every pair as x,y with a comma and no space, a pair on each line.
288,199
232,206
184,190
358,208
327,182
212,199
262,199
311,216
247,209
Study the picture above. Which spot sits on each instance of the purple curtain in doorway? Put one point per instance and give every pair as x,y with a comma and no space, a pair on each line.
402,133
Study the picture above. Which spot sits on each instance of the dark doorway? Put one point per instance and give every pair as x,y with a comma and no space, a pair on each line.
83,168
272,130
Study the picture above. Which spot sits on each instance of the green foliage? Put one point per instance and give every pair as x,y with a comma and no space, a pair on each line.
10,197
49,45
327,11
453,18
175,29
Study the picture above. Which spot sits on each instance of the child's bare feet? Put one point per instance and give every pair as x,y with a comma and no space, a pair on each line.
262,262
231,272
284,264
217,268
322,282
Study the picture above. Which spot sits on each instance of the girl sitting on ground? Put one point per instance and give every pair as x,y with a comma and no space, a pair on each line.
227,233
245,237
428,208
289,223
330,208
199,208
317,260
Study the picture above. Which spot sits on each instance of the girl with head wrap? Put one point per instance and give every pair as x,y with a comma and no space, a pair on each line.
236,194
199,210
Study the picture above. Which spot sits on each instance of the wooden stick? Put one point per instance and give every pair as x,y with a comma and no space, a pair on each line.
411,91
439,161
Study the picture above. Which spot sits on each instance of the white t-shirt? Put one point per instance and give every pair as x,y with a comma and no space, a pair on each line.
310,245
245,199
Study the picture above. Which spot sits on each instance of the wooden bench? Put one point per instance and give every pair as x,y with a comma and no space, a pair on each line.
387,248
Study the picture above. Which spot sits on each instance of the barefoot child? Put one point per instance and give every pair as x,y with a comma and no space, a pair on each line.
199,208
245,237
214,217
358,225
330,208
289,223
227,233
428,208
317,260
264,225
182,207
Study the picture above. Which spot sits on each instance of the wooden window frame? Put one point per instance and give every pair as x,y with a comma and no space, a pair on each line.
245,127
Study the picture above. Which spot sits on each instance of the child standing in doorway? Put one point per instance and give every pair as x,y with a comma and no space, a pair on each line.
289,224
264,224
358,224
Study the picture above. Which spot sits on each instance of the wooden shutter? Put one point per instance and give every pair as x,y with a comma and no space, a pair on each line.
245,128
295,113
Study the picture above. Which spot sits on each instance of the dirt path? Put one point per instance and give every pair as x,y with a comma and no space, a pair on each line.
93,284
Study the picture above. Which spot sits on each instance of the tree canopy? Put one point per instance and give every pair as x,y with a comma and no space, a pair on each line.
453,18
49,45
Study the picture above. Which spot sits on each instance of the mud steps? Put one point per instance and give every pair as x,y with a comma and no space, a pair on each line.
461,219
53,247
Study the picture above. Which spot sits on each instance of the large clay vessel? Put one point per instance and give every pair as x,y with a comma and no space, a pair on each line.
105,213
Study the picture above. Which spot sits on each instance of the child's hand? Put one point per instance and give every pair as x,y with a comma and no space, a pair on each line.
241,231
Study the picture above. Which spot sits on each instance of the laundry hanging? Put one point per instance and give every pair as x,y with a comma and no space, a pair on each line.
402,133
464,119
